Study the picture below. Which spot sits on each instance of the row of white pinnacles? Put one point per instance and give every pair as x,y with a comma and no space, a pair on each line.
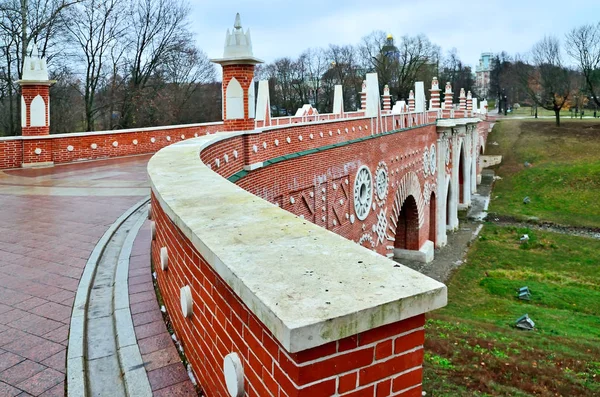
400,106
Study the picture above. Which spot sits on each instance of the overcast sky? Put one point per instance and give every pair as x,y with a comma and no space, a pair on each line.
285,28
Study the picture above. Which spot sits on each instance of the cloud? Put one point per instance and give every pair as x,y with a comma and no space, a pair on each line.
287,28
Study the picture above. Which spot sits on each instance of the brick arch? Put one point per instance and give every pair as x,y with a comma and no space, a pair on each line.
481,145
409,185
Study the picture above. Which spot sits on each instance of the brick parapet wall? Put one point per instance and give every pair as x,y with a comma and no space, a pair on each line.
385,361
330,175
55,148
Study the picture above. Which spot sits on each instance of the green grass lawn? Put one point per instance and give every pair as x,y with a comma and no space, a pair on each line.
563,181
472,347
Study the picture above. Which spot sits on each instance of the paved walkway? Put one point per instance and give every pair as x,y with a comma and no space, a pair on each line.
50,221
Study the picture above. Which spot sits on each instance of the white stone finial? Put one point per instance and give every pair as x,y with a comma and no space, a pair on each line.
469,95
435,85
448,88
238,45
34,67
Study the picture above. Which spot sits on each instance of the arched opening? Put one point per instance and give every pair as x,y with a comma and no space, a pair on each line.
432,218
461,175
448,195
407,231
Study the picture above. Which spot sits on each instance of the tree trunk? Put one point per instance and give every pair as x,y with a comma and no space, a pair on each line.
557,114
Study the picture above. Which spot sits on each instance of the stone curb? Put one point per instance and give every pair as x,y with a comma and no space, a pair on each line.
130,358
76,384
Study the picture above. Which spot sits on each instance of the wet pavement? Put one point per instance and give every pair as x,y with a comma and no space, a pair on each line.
50,221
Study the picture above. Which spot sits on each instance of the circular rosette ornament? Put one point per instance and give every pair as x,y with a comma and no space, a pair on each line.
432,159
382,182
363,192
425,162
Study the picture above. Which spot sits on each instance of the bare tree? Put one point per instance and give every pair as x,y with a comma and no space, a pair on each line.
95,25
157,28
547,81
583,45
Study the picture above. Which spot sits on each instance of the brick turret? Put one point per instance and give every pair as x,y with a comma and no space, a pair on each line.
363,96
411,101
35,96
469,104
435,94
448,100
238,65
387,98
462,100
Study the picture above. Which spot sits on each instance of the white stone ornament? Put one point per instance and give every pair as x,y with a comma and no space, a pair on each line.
115,144
432,160
234,375
276,142
330,133
235,154
187,305
70,148
135,141
321,134
226,158
300,138
182,136
292,200
37,151
352,219
152,139
196,135
382,181
254,148
94,146
153,230
311,136
164,258
426,164
217,163
288,140
264,145
363,192
168,138
339,132
149,211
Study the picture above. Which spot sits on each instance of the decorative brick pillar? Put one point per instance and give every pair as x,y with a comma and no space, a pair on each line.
239,107
35,96
448,100
435,94
363,96
462,100
411,101
387,98
469,104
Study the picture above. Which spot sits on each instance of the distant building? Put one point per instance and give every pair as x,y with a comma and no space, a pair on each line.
482,74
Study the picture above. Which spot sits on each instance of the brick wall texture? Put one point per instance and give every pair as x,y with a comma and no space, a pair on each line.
385,361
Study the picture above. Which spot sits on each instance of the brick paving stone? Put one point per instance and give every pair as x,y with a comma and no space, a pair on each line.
8,359
143,307
154,343
144,287
147,317
41,381
53,311
10,335
35,324
8,391
144,279
18,373
12,315
56,391
57,361
147,330
142,297
30,303
183,389
58,335
167,376
161,358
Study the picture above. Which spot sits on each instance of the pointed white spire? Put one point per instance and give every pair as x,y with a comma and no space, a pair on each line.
238,45
34,67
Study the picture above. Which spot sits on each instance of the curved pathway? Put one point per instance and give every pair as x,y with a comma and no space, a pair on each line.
50,221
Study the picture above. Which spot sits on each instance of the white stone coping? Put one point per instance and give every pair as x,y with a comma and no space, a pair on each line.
457,122
309,286
110,132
